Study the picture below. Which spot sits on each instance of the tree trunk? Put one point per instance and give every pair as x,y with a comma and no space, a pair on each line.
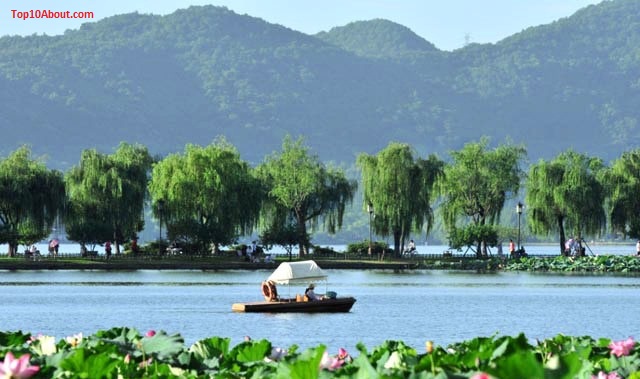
13,249
115,240
562,236
289,250
396,242
302,236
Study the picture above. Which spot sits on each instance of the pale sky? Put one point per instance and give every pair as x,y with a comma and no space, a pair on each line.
445,23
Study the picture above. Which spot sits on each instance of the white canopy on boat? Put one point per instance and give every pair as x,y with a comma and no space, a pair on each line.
297,273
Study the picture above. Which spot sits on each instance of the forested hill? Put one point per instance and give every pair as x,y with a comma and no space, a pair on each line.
190,76
378,38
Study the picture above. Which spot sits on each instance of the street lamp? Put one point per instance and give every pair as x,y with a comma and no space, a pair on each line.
160,211
370,209
519,207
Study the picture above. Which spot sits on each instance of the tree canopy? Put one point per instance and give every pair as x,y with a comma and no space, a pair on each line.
302,189
622,183
564,194
109,189
478,182
209,195
400,187
31,197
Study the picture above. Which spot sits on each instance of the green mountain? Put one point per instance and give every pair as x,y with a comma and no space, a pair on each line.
190,76
378,39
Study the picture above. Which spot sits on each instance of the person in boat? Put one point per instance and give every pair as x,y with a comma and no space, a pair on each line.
310,293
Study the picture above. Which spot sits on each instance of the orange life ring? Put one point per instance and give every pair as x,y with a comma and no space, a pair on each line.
269,290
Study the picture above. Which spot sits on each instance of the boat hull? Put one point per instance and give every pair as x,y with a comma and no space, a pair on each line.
342,304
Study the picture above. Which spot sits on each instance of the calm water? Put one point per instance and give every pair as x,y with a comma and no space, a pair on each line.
416,306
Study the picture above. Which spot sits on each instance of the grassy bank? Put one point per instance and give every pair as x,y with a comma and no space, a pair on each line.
183,263
589,264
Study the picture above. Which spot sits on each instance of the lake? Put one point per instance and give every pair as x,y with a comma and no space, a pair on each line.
413,306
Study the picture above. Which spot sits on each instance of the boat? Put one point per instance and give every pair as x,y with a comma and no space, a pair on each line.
297,273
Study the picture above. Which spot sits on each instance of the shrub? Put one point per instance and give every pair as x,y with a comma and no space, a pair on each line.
362,248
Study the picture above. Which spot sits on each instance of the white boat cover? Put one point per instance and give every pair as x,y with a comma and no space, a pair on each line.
297,273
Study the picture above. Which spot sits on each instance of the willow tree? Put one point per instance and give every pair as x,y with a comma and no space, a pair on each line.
110,189
565,194
478,182
400,187
209,195
302,190
622,183
31,197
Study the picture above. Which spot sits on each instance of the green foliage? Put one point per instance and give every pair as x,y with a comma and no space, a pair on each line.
478,182
566,193
400,189
472,235
108,191
124,352
378,38
361,248
622,182
282,233
134,77
302,190
210,348
602,263
84,224
209,195
83,363
13,339
31,197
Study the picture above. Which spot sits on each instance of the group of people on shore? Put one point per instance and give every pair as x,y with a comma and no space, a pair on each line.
513,253
254,253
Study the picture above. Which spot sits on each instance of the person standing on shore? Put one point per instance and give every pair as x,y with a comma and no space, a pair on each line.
638,248
107,249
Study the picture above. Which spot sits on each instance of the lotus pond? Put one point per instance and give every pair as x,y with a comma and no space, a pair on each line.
125,353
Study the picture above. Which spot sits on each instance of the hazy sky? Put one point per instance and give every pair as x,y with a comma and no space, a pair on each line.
442,22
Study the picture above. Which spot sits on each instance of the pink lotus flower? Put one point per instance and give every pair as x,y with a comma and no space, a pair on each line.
481,375
620,348
150,333
342,354
17,368
330,363
146,363
604,375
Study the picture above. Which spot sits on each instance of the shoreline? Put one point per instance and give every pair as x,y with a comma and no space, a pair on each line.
132,265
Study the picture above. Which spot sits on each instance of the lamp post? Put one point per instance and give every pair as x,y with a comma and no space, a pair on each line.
519,211
160,211
370,210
